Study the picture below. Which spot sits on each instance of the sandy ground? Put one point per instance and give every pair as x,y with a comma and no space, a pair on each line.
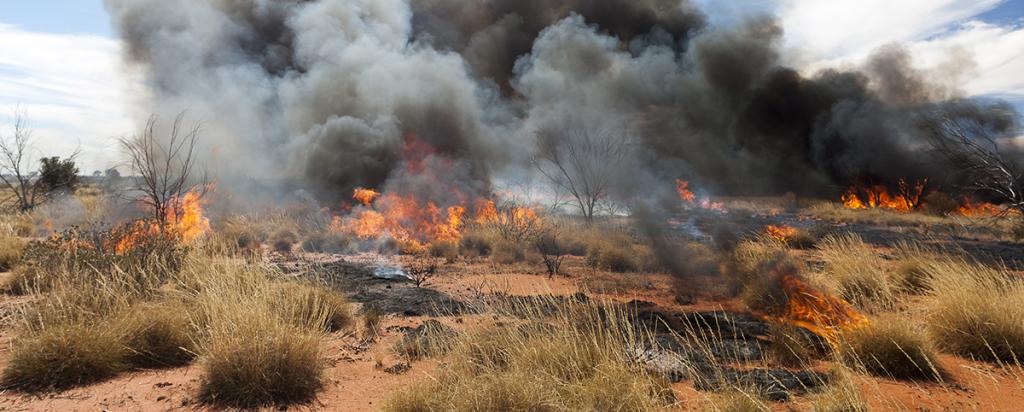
356,379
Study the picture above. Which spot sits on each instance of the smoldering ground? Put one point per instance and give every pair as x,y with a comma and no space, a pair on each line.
330,93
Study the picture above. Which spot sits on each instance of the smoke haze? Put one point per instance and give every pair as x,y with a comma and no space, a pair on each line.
336,94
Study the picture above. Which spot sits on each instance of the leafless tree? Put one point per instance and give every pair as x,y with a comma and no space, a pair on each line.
973,150
16,155
582,162
164,169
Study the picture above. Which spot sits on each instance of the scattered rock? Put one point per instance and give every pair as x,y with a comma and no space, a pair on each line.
398,368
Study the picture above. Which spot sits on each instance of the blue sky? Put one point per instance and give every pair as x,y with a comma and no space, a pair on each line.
57,16
61,63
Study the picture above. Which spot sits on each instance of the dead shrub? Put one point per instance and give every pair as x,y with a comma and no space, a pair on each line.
64,356
612,258
444,249
940,204
476,243
321,242
283,240
891,348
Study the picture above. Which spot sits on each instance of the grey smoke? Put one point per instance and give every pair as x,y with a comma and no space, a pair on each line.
329,93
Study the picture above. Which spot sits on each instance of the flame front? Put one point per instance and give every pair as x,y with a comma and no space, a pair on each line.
819,312
365,196
906,198
972,208
683,189
184,222
403,218
780,233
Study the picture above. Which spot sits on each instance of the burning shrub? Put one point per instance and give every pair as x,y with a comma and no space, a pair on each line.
891,348
64,356
444,249
975,310
793,237
157,334
283,240
582,362
855,272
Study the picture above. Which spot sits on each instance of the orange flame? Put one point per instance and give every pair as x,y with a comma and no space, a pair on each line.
907,197
971,208
365,196
780,233
819,312
405,219
683,189
184,221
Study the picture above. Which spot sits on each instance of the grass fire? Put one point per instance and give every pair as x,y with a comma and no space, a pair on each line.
511,205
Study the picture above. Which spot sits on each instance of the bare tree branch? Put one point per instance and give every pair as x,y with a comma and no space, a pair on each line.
582,163
164,171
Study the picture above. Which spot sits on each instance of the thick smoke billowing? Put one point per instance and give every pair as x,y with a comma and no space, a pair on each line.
333,93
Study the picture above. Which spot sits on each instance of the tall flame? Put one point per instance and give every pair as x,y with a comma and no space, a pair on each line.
819,312
906,198
184,221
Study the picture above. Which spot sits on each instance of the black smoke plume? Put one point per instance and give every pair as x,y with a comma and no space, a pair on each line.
330,93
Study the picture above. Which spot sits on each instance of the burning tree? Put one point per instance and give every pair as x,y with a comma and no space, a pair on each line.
583,163
972,148
165,170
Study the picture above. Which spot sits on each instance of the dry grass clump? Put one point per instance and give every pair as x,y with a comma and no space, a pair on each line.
63,356
891,347
794,347
11,249
258,359
576,360
854,271
975,310
260,341
736,400
752,272
312,306
841,395
157,334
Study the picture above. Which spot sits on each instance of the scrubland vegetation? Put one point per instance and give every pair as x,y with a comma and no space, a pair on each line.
256,335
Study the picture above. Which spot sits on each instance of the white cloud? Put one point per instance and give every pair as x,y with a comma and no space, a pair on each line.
837,33
73,88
